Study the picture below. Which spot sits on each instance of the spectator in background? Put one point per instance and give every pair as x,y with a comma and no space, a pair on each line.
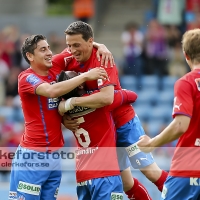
132,39
177,65
83,10
170,12
11,41
156,49
11,82
192,5
55,42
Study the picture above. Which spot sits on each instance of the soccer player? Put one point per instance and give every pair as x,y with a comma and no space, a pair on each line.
79,38
35,175
183,180
97,170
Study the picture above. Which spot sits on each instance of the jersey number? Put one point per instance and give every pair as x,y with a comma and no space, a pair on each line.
83,137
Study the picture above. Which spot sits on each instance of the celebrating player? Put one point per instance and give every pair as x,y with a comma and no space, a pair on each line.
38,91
79,39
184,175
97,171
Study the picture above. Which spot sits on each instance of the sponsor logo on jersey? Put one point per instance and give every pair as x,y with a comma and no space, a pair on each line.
197,142
12,195
56,193
116,196
80,111
164,192
99,82
52,103
194,181
197,81
132,150
32,79
83,151
28,188
85,183
177,104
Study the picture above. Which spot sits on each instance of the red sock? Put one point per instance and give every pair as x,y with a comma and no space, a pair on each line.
160,182
138,192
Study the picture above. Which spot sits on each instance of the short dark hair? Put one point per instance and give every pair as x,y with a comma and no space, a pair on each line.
82,28
30,44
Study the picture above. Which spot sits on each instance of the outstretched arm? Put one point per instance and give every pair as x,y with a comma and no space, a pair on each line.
59,89
172,132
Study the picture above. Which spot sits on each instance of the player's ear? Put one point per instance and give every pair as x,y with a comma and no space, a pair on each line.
186,56
29,56
91,40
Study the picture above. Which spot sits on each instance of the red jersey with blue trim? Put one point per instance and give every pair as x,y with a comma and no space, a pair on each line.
42,120
96,155
122,114
186,162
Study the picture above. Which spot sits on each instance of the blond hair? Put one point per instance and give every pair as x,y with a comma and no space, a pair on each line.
191,44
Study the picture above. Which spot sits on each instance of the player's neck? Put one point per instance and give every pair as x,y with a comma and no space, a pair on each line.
41,72
196,66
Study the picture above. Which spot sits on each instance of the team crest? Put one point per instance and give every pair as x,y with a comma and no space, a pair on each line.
197,81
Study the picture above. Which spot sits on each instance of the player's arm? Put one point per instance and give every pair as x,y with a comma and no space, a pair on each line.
182,116
103,98
97,100
172,132
59,89
103,54
122,97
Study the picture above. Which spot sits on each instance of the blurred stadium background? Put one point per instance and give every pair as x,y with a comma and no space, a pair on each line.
145,39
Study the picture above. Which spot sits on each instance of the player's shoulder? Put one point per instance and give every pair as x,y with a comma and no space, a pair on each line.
25,73
65,56
29,76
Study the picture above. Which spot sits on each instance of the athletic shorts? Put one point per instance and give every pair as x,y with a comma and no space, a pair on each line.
127,150
105,188
183,188
34,175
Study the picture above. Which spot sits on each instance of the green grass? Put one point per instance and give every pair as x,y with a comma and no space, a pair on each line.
59,9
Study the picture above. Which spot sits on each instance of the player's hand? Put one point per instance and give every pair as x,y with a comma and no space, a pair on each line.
144,144
96,73
105,56
71,124
61,108
64,106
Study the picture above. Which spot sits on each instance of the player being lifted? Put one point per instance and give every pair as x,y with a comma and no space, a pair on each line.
79,39
97,172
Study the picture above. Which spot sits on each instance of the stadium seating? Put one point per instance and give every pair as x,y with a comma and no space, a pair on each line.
168,82
128,82
154,103
154,126
149,82
147,95
143,111
165,97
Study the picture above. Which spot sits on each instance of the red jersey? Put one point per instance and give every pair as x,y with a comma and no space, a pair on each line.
186,162
122,114
42,120
96,155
